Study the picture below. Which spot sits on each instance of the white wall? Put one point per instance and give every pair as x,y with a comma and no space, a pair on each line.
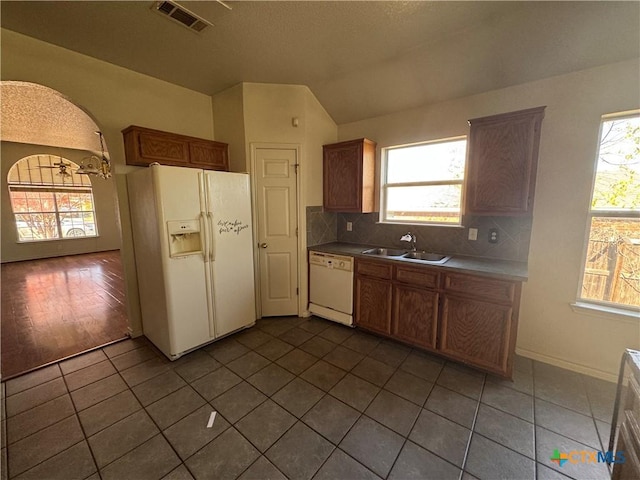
104,195
549,330
116,98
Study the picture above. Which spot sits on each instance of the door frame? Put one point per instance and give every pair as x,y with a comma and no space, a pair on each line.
301,238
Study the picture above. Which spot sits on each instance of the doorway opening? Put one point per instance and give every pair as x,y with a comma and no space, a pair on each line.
63,292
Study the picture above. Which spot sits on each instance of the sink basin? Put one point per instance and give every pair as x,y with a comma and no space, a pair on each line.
427,257
385,252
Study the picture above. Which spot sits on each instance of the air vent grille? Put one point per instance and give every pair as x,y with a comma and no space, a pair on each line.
181,15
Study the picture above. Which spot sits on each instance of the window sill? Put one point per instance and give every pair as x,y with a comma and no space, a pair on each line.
597,310
44,240
417,224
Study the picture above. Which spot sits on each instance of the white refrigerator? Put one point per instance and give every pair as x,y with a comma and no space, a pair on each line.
193,246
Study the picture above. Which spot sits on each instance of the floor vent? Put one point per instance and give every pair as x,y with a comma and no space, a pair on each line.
181,15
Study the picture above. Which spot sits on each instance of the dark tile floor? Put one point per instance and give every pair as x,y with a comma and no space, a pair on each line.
57,307
297,399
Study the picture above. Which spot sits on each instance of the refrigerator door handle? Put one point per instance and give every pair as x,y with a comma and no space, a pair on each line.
212,239
203,229
210,233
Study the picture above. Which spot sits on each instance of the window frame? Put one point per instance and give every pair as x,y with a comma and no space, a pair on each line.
55,189
384,184
589,304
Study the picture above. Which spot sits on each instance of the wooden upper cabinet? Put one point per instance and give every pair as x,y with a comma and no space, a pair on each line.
349,176
208,154
144,146
503,159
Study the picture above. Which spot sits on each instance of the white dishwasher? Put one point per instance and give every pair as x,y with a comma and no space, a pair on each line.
331,287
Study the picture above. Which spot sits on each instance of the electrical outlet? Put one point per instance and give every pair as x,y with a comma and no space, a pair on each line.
473,234
349,226
493,235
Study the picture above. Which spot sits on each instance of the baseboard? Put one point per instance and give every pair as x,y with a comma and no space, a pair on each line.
135,333
574,367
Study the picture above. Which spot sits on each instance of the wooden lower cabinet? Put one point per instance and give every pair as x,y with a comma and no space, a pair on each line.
468,318
373,304
415,316
626,421
477,332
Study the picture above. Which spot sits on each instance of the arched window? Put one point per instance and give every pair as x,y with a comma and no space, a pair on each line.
49,200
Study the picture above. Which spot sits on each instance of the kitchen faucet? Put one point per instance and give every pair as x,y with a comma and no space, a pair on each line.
409,237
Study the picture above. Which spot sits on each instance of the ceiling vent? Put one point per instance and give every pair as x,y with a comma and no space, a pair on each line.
181,15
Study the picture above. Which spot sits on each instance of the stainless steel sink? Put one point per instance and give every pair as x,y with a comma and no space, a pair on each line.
436,258
385,252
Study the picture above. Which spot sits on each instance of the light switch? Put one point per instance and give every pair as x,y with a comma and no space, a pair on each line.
473,234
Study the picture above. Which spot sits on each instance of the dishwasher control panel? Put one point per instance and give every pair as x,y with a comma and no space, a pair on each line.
330,260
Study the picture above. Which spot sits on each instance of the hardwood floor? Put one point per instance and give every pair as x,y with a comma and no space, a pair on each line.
58,307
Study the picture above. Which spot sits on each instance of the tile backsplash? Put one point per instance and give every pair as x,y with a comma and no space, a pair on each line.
322,227
514,234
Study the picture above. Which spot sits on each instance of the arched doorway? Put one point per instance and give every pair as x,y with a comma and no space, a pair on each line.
62,276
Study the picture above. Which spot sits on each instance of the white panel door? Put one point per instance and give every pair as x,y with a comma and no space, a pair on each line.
277,229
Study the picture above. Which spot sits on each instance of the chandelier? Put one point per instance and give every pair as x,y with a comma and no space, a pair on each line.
96,166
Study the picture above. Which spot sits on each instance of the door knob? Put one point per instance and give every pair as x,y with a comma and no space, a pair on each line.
263,245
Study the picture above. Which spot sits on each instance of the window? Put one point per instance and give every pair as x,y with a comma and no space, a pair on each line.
422,183
49,200
612,262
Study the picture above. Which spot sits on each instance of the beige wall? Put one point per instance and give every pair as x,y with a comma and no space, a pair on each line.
228,117
268,111
319,130
104,195
549,329
116,98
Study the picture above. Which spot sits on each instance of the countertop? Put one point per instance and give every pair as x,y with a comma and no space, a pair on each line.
504,269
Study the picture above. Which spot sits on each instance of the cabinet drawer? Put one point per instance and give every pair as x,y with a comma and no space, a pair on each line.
423,277
374,269
487,289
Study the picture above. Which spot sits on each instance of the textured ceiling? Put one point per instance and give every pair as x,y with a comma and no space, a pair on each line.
361,58
39,115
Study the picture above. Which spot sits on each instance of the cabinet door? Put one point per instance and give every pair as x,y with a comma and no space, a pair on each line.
342,177
149,147
349,176
209,155
373,304
415,313
503,158
478,333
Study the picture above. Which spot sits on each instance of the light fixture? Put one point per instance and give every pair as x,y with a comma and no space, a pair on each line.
64,169
96,166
